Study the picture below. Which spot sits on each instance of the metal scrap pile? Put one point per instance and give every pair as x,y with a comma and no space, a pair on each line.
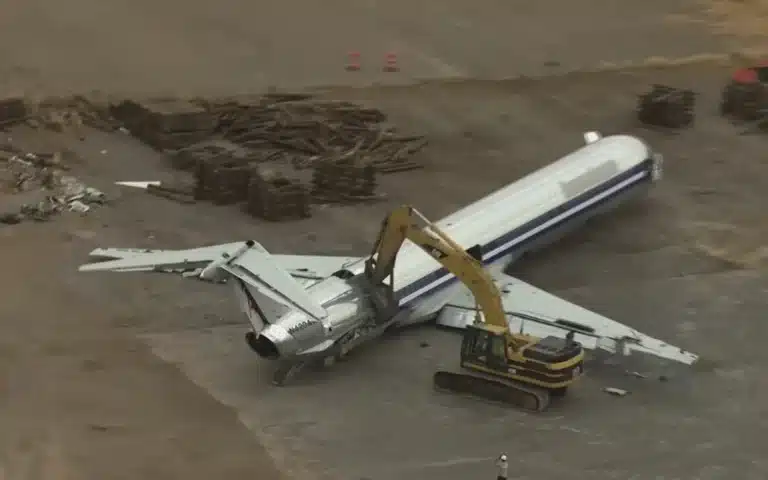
277,198
34,187
667,107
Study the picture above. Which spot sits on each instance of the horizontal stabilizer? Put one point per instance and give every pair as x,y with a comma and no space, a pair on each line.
136,259
310,267
538,313
258,268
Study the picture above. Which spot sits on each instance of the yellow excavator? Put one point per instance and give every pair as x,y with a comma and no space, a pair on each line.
499,365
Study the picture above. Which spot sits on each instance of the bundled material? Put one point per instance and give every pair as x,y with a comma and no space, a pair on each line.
745,101
667,107
277,198
222,180
166,124
343,182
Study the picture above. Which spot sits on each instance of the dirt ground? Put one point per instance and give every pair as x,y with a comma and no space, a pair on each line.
141,376
239,46
97,368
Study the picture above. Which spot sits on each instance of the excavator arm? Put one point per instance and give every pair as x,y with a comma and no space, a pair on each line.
406,223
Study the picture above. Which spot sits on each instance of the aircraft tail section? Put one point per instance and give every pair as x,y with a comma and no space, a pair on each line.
258,269
261,274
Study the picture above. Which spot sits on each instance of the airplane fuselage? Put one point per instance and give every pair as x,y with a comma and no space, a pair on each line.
516,219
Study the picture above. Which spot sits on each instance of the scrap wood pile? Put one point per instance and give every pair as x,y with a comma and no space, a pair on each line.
35,187
666,106
308,132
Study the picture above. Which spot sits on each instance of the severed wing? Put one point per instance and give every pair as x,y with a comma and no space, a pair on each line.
538,313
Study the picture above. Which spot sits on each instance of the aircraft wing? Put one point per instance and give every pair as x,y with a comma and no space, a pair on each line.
313,267
541,314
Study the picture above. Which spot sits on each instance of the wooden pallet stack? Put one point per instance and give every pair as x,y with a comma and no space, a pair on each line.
745,101
166,124
222,180
343,181
276,198
668,107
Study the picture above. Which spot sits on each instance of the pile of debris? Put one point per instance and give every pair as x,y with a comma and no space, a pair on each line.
307,131
344,181
666,106
276,198
34,187
166,124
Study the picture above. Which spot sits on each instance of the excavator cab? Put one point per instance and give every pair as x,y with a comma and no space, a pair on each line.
550,363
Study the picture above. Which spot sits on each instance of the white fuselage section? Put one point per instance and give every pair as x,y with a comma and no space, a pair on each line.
515,219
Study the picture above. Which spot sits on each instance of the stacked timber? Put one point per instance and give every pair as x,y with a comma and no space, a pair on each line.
744,101
343,181
166,124
665,106
189,157
222,180
276,198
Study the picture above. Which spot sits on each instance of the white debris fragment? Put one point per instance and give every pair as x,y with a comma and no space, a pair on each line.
616,391
143,185
78,206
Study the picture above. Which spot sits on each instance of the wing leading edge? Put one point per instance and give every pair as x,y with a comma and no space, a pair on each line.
539,313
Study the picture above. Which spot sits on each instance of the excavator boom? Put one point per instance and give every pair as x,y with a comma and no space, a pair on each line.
513,368
406,223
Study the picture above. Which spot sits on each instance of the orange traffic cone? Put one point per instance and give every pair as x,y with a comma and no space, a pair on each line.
390,63
353,61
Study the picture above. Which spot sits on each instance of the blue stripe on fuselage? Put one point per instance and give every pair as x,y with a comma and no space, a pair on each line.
497,247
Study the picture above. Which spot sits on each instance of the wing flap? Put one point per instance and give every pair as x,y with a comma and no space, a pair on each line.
539,313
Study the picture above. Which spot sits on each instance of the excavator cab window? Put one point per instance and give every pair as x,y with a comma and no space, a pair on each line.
497,349
479,344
